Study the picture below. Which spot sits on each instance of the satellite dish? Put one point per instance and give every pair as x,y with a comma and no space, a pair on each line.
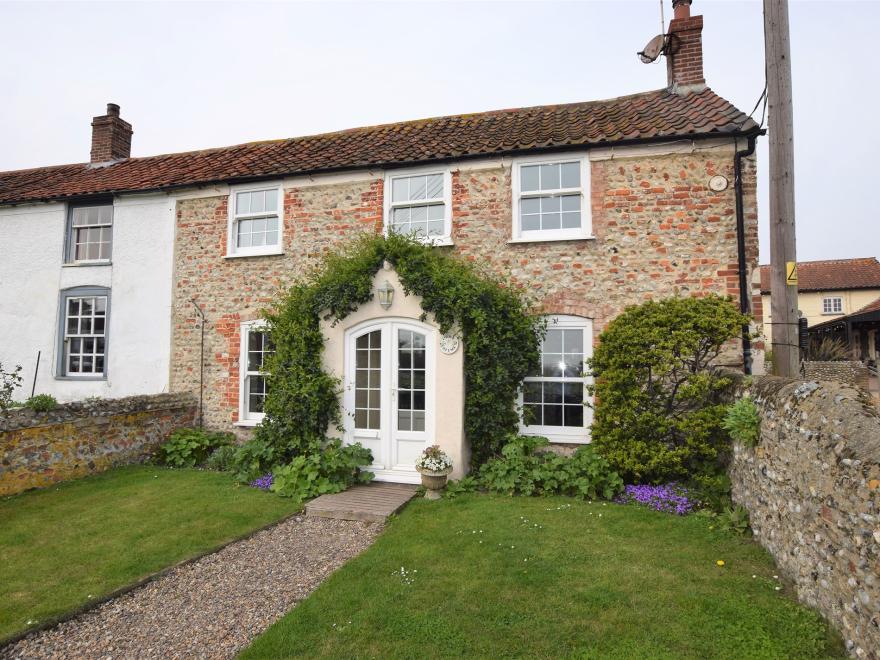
654,49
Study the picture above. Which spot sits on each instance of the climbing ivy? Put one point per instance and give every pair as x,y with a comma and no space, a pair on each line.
500,337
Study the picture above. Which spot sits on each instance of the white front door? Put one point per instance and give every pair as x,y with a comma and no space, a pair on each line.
389,395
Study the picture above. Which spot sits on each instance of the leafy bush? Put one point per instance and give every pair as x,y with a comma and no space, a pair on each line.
253,459
711,490
9,380
660,404
220,459
501,339
829,349
330,470
743,422
732,519
41,403
524,470
190,447
468,484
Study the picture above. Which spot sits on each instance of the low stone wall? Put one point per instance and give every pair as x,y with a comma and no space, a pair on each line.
812,488
76,439
850,372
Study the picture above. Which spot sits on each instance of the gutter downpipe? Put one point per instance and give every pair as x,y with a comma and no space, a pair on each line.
744,305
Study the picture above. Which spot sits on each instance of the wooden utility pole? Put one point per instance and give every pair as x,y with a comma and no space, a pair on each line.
783,286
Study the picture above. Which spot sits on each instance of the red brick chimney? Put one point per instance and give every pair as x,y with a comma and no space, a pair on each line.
684,51
111,136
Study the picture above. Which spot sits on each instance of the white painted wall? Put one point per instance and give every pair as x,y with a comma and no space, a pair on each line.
32,274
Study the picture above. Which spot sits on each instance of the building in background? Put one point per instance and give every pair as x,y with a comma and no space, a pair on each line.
827,289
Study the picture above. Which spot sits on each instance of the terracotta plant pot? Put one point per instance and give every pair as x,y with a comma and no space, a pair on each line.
434,482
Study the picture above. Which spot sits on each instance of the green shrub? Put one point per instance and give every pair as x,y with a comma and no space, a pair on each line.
41,403
253,459
330,469
468,484
220,459
500,341
743,422
522,469
731,519
190,447
659,404
9,380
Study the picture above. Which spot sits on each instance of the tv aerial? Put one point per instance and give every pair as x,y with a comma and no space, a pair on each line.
656,46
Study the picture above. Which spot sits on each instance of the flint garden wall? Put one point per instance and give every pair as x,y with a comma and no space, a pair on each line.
76,439
812,488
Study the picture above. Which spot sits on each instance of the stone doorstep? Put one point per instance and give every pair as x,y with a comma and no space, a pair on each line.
369,502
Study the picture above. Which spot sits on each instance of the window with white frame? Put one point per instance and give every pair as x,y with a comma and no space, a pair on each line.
255,220
84,320
255,346
832,305
90,233
553,397
551,199
418,204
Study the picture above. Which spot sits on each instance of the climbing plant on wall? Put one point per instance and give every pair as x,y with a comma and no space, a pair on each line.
499,333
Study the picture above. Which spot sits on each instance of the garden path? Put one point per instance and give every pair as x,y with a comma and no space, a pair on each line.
213,607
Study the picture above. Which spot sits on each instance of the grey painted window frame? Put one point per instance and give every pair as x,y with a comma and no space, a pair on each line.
80,292
69,243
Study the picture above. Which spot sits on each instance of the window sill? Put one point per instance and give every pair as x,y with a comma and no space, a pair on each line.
548,239
91,379
565,438
244,255
248,423
85,264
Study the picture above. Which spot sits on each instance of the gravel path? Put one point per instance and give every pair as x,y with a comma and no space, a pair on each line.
213,607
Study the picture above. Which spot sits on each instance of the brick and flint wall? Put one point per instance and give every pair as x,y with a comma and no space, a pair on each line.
38,449
659,231
812,488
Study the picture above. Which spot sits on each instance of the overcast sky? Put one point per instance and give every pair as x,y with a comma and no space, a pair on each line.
199,75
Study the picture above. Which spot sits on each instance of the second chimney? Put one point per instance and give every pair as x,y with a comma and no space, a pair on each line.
684,56
111,136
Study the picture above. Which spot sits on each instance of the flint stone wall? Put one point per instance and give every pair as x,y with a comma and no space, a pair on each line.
81,438
851,372
812,488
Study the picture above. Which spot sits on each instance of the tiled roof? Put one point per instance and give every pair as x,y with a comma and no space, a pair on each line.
832,275
648,116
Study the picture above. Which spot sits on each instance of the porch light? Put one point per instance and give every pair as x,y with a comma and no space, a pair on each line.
386,295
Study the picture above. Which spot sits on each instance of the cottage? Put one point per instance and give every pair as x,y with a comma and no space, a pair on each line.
827,290
589,207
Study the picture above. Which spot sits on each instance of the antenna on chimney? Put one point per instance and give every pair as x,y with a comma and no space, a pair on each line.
657,46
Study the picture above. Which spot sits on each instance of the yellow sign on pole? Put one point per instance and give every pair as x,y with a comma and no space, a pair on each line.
791,273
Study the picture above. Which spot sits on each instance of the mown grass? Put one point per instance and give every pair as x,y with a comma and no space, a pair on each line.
64,546
532,577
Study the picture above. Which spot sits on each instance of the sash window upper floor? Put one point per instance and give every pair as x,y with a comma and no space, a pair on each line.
255,220
418,204
551,199
89,237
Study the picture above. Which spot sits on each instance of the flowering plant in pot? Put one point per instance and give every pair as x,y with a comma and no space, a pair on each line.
434,466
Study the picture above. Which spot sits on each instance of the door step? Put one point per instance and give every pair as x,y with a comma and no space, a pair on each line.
368,502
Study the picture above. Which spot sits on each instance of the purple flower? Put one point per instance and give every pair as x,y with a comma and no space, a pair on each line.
669,498
263,483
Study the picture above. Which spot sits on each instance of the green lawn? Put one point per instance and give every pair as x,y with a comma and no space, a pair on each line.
66,545
482,580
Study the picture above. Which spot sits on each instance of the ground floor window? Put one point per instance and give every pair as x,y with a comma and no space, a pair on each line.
83,333
553,396
255,347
